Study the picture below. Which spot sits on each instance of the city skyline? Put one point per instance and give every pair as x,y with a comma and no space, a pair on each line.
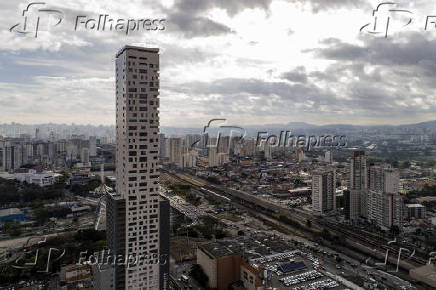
221,60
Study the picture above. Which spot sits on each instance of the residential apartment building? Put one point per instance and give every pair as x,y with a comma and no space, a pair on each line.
176,150
357,184
137,169
324,191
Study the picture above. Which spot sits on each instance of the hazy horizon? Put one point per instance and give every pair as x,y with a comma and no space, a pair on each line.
200,125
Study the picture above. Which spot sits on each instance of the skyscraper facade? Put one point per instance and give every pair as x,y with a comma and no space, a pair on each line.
137,154
324,191
176,150
162,146
92,146
358,184
385,205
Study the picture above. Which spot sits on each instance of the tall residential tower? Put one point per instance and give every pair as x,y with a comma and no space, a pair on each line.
358,185
137,171
324,191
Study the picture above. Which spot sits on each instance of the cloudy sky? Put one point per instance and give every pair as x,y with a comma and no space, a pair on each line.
249,61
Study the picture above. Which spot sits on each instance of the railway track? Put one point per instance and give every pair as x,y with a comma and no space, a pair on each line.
320,223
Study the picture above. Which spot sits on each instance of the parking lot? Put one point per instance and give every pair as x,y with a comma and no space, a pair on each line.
308,273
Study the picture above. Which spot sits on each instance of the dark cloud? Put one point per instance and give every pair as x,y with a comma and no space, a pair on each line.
190,25
297,93
412,49
393,76
298,75
360,90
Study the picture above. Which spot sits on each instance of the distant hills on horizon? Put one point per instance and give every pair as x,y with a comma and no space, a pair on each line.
15,129
291,125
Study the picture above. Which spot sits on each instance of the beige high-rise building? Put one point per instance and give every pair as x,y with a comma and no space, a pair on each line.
385,205
189,159
324,191
84,156
384,178
176,150
328,156
268,152
213,157
386,209
92,146
216,159
137,171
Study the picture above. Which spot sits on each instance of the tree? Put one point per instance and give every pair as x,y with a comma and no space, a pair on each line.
405,164
213,179
13,228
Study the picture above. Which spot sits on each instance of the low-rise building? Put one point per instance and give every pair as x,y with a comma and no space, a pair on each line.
75,276
32,176
221,264
224,264
11,214
415,211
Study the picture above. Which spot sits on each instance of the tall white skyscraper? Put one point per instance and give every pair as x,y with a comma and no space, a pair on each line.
137,171
324,191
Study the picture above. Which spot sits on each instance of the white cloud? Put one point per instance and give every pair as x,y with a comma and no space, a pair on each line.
222,58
